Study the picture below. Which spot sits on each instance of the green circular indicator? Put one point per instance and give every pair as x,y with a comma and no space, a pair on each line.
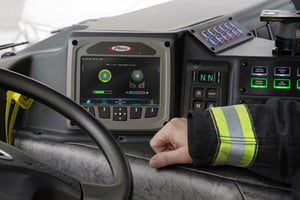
104,75
137,76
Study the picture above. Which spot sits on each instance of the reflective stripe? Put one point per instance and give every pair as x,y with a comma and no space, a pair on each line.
237,142
249,136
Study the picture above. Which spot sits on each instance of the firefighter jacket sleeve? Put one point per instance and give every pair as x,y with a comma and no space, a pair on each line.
264,138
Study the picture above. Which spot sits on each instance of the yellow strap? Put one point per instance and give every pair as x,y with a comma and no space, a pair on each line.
10,117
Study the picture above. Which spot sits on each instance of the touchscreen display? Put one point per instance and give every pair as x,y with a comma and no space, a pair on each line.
128,81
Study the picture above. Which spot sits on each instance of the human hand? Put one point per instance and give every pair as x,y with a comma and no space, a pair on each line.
171,144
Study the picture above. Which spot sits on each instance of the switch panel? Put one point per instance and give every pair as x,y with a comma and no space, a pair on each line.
205,85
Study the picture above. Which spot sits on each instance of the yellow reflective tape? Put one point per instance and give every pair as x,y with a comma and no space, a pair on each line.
237,141
249,136
224,136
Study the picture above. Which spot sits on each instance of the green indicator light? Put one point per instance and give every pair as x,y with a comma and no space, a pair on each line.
99,92
259,83
104,75
284,84
298,84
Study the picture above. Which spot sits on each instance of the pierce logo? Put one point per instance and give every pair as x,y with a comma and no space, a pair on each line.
120,48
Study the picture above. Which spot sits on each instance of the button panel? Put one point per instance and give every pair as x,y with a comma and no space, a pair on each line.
123,113
207,84
270,78
221,34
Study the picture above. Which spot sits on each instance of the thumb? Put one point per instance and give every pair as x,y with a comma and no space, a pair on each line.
166,158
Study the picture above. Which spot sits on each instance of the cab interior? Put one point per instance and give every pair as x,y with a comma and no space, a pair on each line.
78,108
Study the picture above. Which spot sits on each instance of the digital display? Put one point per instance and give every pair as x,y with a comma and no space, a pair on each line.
129,81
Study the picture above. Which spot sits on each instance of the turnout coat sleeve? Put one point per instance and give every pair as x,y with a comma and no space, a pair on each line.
264,138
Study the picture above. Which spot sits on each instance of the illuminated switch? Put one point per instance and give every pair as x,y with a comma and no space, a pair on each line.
282,83
282,71
206,34
259,70
259,83
298,84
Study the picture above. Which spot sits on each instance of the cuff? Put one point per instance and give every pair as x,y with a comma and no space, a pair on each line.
202,138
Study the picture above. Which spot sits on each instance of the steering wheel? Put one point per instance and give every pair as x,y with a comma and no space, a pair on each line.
122,183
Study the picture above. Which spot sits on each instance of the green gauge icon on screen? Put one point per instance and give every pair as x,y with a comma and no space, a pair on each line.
104,75
137,76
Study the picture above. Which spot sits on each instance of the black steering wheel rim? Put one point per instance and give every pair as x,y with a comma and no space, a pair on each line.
122,183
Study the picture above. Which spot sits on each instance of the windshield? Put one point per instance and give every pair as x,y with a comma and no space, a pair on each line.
34,20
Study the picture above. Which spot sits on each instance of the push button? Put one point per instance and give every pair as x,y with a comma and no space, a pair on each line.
298,84
104,112
259,83
199,92
120,113
198,105
282,83
259,70
282,71
212,93
135,112
90,109
210,104
151,112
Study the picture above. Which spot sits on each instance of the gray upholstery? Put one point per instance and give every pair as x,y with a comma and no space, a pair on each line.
87,163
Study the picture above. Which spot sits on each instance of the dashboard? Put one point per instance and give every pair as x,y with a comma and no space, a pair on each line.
137,71
136,80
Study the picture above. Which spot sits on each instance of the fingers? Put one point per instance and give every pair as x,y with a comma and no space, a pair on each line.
160,141
170,157
170,144
167,135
